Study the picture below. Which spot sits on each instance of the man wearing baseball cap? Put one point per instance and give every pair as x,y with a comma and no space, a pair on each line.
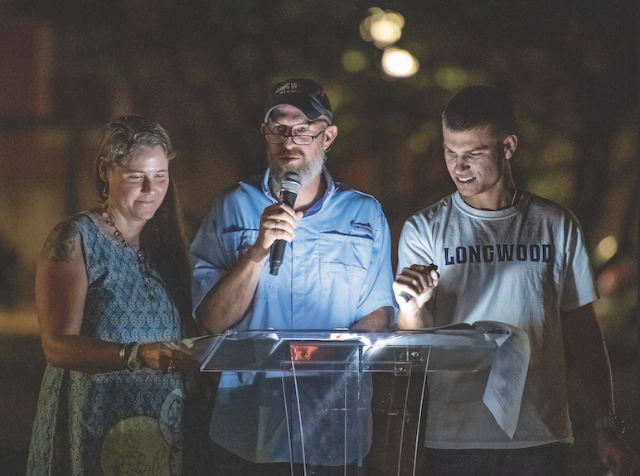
335,273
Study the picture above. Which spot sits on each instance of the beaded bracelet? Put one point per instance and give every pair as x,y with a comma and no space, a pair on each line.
141,355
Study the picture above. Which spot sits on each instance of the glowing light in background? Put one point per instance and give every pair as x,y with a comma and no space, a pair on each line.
452,78
383,28
399,63
353,61
607,248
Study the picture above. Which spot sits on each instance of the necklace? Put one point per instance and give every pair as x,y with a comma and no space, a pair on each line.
142,263
515,194
109,220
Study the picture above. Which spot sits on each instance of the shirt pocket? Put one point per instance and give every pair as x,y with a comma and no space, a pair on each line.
236,243
343,263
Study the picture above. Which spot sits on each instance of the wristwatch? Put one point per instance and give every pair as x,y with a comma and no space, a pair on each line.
134,362
611,423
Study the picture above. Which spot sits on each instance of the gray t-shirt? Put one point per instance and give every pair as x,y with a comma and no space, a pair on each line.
522,266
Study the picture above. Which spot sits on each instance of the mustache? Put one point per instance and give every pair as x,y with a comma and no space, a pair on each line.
309,168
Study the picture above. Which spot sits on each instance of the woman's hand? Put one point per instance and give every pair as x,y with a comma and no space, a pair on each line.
164,357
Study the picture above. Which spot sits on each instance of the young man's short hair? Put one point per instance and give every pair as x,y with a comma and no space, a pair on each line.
478,106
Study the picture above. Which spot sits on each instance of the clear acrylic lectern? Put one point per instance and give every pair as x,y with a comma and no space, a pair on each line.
320,383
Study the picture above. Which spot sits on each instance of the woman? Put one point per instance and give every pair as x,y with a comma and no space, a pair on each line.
112,298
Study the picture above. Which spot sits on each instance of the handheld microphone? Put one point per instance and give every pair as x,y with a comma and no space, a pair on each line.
288,193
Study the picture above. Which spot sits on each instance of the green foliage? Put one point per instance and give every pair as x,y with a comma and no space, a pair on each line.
202,68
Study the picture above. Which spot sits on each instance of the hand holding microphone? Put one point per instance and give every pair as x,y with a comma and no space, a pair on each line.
288,193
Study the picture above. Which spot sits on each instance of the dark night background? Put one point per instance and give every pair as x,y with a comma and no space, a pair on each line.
202,68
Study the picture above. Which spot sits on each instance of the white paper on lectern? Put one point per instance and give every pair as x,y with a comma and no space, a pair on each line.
503,395
201,348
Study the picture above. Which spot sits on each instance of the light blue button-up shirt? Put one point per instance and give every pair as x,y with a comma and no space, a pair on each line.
336,270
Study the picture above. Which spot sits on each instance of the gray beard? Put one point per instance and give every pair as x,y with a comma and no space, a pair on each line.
308,171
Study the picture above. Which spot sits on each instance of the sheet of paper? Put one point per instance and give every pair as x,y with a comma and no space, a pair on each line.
201,348
503,395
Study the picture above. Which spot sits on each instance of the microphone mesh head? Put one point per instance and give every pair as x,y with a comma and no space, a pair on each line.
290,182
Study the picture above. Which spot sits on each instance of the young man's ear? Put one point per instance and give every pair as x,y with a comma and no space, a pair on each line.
510,143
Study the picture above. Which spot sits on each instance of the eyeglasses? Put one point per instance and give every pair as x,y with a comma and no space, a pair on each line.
298,139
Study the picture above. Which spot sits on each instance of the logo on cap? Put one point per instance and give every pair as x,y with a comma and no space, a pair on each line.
305,94
288,88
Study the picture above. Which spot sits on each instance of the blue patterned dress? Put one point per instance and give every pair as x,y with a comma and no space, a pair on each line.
121,422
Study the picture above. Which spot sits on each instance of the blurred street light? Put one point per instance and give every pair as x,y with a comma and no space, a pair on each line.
605,249
399,63
383,28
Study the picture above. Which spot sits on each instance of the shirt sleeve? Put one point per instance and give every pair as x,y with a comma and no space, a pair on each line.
578,287
415,245
208,260
377,291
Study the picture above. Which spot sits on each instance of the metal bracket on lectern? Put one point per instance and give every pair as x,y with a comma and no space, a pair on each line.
407,358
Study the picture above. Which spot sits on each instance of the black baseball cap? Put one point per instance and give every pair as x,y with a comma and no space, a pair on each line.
305,94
